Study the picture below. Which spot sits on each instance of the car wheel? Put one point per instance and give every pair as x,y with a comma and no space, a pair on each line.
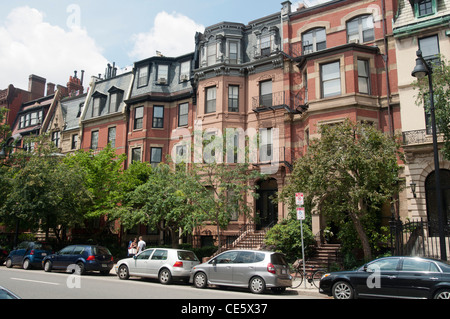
342,290
8,263
26,264
123,274
48,266
257,285
165,277
80,270
442,294
200,280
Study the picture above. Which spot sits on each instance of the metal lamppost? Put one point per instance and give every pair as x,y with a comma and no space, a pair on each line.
421,70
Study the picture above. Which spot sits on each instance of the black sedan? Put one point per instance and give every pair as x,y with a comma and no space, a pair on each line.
391,277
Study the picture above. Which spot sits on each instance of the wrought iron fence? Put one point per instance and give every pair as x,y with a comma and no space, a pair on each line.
417,238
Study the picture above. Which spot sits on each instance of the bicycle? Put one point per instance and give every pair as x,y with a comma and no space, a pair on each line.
312,275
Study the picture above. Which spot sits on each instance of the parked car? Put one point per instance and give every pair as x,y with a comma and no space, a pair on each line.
253,269
391,277
28,254
3,254
7,294
162,263
84,257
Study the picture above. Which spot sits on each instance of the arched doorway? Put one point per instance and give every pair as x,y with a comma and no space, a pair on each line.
266,207
432,208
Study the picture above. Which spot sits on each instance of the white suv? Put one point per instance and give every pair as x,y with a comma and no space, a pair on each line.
166,264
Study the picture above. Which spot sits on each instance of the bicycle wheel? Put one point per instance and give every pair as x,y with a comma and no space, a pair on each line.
317,276
297,279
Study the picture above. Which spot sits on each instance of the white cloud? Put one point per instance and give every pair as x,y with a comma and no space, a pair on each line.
172,35
29,45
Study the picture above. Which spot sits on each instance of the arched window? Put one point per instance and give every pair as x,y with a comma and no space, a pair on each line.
360,29
432,208
314,40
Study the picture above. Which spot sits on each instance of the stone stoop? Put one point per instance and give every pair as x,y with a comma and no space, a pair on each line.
326,255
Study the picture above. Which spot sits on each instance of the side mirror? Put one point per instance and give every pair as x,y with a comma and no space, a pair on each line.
135,257
213,262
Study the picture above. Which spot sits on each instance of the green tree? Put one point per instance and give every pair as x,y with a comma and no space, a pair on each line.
44,192
164,202
348,174
441,88
228,187
286,237
102,174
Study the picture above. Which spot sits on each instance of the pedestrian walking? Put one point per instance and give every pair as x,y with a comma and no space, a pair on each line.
132,247
141,245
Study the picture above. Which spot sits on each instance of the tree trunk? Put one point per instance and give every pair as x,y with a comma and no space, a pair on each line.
362,236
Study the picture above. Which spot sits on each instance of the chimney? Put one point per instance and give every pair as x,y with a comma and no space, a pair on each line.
50,88
36,85
74,85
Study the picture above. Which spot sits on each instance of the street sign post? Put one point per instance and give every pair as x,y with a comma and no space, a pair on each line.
301,216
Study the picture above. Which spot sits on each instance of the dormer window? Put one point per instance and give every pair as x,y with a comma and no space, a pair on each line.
266,41
234,52
116,98
163,74
143,76
99,104
80,109
424,8
185,71
265,45
212,54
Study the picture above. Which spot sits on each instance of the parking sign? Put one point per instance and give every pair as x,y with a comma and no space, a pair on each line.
299,199
301,213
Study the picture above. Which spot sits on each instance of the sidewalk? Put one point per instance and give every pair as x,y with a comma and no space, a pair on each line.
310,290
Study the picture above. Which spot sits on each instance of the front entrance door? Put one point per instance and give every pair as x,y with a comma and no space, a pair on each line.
266,206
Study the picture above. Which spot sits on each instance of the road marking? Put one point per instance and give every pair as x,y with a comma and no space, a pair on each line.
36,281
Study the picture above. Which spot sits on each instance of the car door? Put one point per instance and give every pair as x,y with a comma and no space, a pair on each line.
243,268
18,254
221,271
378,278
417,277
139,265
158,259
61,259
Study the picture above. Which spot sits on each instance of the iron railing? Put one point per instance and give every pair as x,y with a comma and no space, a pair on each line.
293,102
417,238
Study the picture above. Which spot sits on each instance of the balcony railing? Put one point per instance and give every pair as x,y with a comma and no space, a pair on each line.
294,102
419,137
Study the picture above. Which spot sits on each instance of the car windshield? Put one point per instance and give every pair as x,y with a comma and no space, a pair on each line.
187,255
6,295
98,250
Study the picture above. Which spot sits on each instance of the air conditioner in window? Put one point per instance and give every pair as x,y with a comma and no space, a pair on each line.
184,77
162,81
307,51
354,41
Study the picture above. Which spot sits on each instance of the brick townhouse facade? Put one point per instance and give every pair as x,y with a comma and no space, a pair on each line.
281,76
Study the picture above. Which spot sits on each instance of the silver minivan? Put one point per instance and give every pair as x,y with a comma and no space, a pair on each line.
165,264
253,269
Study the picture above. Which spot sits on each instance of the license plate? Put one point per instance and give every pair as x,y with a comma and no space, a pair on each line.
44,254
104,265
283,271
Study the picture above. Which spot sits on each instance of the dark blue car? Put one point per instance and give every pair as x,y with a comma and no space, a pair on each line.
80,258
28,254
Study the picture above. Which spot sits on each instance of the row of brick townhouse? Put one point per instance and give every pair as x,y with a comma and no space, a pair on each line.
282,76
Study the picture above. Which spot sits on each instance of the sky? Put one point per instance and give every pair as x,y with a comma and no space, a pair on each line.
53,38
